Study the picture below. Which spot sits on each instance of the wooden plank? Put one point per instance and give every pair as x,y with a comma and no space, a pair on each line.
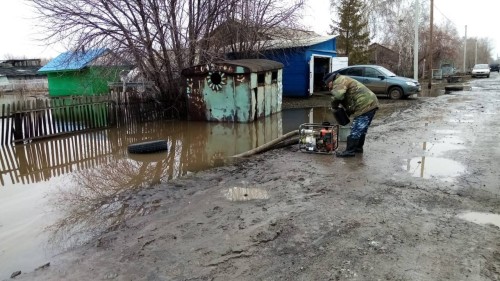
89,114
3,135
8,128
28,119
92,114
72,115
66,118
41,118
56,116
78,112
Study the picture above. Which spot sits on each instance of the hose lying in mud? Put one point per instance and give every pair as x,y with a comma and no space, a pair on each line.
285,140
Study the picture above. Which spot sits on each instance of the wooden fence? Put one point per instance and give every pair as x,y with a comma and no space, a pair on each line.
41,161
24,121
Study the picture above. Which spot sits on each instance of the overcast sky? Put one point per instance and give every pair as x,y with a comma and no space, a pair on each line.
19,34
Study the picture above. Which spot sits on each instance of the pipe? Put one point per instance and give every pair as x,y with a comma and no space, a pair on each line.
268,145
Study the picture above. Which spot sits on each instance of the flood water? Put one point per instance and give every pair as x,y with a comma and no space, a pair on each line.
45,185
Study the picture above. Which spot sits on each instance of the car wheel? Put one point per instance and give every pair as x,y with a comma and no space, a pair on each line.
488,76
395,93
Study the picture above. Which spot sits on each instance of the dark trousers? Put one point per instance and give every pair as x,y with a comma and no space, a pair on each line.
360,124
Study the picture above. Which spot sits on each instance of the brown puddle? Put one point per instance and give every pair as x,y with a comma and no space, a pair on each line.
431,166
50,184
434,167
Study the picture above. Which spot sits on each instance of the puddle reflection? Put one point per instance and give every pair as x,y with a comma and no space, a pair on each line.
434,167
193,146
95,200
439,148
94,173
481,218
431,166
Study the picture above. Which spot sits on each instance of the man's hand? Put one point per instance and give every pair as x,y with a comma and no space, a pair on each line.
335,105
330,85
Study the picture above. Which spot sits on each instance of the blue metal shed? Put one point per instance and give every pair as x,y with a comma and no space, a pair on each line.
306,61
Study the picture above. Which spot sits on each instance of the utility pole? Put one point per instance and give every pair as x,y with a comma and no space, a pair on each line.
415,43
465,49
429,86
475,53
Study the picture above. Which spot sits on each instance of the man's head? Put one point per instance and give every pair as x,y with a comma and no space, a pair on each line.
331,77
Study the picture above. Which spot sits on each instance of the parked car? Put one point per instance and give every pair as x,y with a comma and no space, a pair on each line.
481,69
448,70
495,67
381,81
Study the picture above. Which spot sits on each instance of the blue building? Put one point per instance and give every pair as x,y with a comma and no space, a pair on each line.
306,61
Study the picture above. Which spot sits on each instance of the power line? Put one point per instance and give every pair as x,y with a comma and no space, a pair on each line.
456,26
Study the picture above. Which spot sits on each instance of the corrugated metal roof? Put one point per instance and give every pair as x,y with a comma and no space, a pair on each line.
247,66
296,42
71,60
254,65
26,71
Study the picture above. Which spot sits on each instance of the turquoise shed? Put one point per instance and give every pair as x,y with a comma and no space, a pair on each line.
234,91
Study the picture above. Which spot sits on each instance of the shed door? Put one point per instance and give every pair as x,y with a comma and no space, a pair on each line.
339,62
319,66
311,75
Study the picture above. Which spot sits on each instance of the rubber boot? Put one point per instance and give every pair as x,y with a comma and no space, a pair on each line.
350,148
359,148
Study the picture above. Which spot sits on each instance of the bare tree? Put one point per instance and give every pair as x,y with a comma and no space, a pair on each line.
478,51
161,37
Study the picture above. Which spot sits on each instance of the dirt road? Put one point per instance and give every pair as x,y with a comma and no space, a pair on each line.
404,210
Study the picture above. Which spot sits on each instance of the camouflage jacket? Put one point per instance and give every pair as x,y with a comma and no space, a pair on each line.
355,97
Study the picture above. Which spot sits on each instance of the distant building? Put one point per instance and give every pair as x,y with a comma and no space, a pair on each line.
22,74
306,55
21,69
82,72
383,56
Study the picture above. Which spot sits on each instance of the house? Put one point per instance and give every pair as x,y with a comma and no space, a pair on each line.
233,91
306,60
306,55
383,56
22,74
21,69
82,72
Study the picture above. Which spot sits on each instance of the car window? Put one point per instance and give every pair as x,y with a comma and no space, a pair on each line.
355,71
343,71
372,72
385,71
481,66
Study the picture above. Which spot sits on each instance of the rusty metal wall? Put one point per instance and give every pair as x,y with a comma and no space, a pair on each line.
238,97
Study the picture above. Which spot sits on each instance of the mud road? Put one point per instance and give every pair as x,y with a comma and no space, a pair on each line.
422,203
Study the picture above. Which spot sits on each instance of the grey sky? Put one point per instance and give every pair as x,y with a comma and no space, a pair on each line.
19,33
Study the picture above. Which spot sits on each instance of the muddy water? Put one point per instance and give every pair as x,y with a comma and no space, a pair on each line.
46,187
433,162
481,218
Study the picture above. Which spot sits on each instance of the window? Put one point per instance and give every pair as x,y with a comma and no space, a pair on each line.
371,72
261,78
355,71
274,76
